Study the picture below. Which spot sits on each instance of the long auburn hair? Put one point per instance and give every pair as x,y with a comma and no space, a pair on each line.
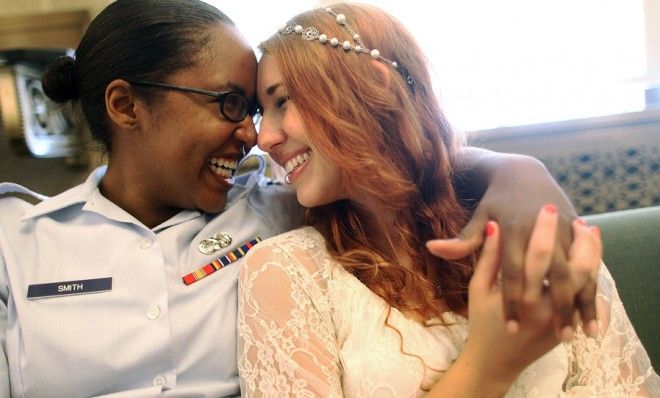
393,146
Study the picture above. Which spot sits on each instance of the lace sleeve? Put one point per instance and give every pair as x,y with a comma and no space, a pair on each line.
287,345
615,363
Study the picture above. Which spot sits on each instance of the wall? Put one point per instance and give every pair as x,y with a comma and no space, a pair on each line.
30,7
42,24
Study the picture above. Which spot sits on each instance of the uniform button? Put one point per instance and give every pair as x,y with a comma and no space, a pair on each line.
146,243
159,381
153,312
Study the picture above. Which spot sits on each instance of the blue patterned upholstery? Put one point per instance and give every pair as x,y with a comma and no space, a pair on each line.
604,181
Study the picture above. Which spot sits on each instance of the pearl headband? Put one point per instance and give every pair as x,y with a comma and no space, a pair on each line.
311,33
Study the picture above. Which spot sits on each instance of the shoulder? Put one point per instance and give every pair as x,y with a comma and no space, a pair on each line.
274,202
304,241
25,204
304,238
297,252
16,200
277,204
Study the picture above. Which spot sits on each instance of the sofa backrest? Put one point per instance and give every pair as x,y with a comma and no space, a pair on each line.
604,164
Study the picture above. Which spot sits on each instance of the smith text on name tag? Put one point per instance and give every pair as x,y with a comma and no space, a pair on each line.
68,288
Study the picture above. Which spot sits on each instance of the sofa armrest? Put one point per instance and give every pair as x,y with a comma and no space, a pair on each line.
631,251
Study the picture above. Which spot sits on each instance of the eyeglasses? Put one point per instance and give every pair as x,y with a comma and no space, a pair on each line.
233,105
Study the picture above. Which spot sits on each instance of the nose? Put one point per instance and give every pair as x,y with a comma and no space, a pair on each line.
269,135
246,134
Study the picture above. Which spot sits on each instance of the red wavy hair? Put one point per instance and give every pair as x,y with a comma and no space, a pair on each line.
394,148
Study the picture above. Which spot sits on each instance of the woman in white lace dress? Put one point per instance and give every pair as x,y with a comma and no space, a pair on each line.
353,304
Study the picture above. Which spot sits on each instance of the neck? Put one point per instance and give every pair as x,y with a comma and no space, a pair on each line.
122,187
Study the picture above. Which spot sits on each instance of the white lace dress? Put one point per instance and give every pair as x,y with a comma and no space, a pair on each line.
309,328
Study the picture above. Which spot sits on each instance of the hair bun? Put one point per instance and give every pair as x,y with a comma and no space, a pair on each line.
58,80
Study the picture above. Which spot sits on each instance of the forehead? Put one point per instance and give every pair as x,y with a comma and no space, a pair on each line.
269,74
227,61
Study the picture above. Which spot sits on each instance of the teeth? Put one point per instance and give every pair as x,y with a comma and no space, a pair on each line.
224,163
221,171
222,167
296,161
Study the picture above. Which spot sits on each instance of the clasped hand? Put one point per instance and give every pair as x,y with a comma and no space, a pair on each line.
500,354
573,289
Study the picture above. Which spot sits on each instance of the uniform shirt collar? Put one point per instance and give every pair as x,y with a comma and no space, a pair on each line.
244,183
78,194
93,200
89,194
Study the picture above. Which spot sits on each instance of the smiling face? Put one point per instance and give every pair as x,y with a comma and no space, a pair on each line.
186,149
283,135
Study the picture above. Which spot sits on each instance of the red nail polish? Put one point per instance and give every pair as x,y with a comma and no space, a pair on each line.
490,229
550,208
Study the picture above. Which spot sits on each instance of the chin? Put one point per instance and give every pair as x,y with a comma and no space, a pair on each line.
213,207
308,200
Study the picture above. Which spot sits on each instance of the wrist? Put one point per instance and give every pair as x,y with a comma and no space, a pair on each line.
507,165
489,369
473,171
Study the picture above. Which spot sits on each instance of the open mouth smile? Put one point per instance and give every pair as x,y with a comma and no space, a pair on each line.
222,167
296,161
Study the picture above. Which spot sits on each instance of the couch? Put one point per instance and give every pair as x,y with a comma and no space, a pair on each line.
631,240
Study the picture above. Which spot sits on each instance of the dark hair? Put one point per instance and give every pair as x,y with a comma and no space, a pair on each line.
131,40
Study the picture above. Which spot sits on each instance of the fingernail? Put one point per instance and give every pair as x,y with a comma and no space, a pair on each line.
567,334
595,230
593,328
512,326
490,228
581,221
550,208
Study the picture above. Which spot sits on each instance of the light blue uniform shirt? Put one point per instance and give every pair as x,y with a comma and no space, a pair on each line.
150,335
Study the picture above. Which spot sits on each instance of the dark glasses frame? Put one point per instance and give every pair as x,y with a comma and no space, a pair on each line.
221,97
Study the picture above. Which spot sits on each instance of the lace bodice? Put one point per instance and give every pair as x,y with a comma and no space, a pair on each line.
309,328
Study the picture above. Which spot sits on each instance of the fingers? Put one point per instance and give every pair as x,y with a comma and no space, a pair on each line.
451,249
540,253
513,280
586,302
485,274
467,242
563,290
595,231
585,254
562,294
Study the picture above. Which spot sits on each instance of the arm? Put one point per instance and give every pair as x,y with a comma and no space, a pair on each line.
286,344
510,189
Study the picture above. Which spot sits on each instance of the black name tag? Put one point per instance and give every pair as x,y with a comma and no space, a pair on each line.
68,288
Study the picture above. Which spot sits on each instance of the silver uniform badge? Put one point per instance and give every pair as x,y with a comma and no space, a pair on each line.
214,243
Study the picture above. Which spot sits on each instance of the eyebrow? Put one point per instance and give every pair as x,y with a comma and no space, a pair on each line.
228,86
271,89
